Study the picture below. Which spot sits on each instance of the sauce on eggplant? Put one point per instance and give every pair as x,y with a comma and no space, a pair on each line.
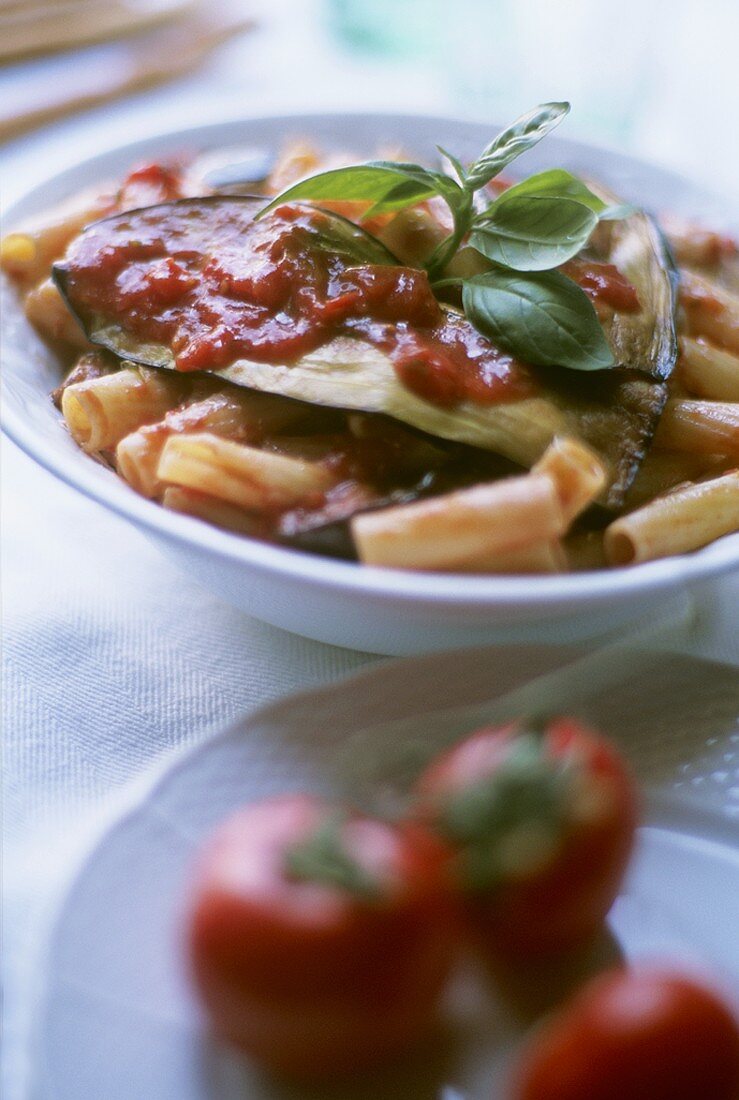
603,283
214,286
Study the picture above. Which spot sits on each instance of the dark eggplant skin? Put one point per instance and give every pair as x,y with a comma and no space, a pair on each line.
332,537
620,408
617,413
644,341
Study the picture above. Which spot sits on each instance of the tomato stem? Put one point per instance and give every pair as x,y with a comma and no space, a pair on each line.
525,800
322,858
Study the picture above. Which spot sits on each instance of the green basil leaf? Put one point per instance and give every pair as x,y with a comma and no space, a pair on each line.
385,184
533,232
410,177
561,183
542,317
455,163
558,183
521,135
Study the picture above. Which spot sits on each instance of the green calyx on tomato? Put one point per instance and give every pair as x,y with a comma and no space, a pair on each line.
511,824
323,859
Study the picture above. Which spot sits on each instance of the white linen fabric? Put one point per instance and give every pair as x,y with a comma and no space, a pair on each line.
111,659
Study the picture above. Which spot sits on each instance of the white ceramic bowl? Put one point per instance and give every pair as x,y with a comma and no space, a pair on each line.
384,611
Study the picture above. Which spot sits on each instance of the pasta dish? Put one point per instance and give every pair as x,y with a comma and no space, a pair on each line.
435,368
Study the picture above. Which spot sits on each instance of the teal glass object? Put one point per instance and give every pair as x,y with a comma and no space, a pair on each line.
504,56
394,28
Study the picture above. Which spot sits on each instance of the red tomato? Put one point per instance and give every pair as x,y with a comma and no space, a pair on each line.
635,1035
543,824
320,944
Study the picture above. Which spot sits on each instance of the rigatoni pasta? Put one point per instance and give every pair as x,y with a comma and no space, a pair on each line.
699,427
101,411
229,414
545,556
189,502
462,527
45,309
682,520
238,474
577,473
708,371
711,310
27,255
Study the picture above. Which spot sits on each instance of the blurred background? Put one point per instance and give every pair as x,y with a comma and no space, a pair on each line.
659,78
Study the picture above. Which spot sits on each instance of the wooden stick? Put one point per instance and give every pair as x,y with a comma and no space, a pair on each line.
173,57
33,29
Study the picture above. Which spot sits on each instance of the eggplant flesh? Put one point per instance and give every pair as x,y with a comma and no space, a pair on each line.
615,411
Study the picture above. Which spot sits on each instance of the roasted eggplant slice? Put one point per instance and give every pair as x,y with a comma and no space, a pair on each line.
644,340
644,344
614,411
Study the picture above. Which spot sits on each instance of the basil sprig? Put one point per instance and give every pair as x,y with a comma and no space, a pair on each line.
529,229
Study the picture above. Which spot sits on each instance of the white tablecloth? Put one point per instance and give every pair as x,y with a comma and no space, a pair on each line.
111,657
111,660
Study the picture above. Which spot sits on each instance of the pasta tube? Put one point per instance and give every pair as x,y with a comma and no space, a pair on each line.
683,520
463,526
708,371
700,427
694,246
241,475
27,254
710,310
45,309
230,414
210,509
577,472
101,411
547,556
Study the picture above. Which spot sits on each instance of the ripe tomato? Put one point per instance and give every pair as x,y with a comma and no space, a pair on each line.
320,942
542,821
635,1035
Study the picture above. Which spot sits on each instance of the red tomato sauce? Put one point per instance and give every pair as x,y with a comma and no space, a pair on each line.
603,283
148,184
215,286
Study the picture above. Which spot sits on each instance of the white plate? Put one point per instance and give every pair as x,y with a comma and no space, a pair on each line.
120,1020
384,611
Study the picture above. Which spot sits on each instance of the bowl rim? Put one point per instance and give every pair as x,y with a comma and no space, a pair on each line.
74,467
